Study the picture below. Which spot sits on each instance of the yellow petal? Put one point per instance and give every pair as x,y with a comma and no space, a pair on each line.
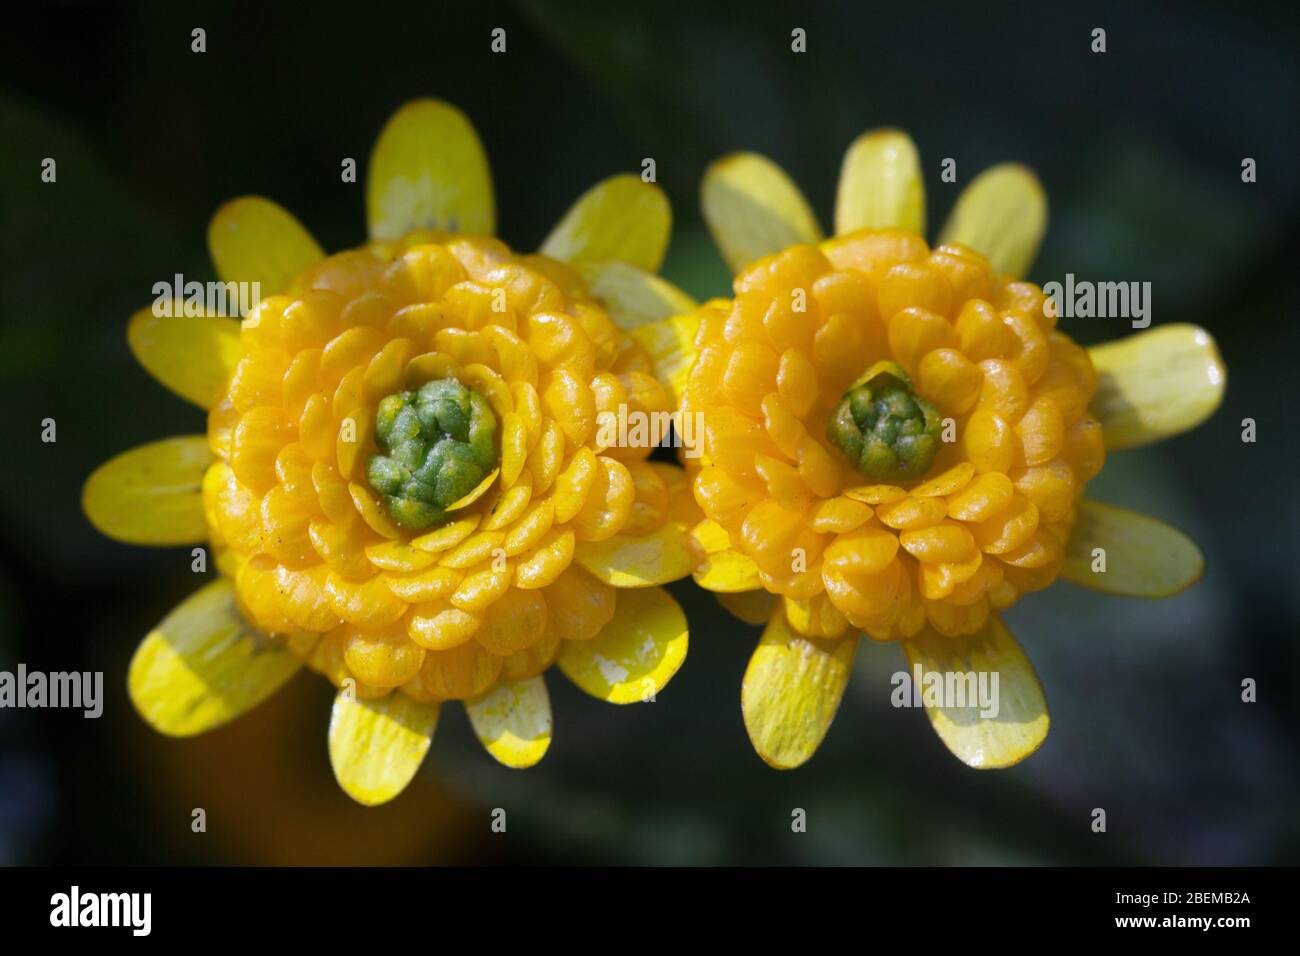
476,493
1156,384
723,569
635,654
376,746
880,185
1002,214
252,239
513,721
620,218
753,209
728,572
671,344
152,494
791,691
204,665
663,555
752,607
428,171
192,356
711,536
1021,722
1143,557
631,295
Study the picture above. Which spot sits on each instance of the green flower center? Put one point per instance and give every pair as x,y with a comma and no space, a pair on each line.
886,430
438,443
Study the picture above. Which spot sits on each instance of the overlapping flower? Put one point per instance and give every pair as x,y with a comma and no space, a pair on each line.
403,482
405,485
899,438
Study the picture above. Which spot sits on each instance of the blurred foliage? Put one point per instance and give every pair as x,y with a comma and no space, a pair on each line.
1140,151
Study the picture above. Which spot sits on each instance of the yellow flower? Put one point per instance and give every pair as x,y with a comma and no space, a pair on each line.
402,482
898,440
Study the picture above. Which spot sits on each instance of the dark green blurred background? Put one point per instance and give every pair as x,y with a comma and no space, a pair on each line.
1140,150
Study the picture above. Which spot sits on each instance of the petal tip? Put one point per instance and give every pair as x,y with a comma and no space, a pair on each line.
637,652
513,722
428,169
791,692
376,746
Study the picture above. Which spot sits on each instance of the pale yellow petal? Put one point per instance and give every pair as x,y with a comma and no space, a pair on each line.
1140,556
982,737
252,239
880,185
623,561
1002,214
152,494
635,654
711,536
753,209
631,295
193,356
791,691
204,665
1156,384
376,746
513,721
428,171
728,571
671,344
619,219
723,568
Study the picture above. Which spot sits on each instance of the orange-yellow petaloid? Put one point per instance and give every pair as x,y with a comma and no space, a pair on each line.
898,440
555,545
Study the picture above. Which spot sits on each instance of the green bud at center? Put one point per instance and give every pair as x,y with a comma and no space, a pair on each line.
437,444
887,431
